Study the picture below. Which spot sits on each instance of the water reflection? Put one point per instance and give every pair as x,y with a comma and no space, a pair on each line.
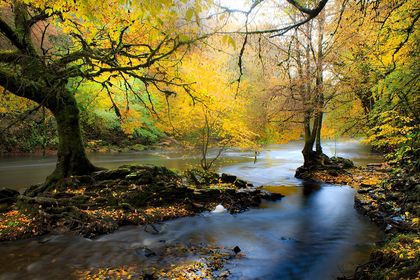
313,233
21,171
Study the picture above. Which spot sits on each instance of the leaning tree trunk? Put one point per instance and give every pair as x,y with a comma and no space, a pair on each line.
72,159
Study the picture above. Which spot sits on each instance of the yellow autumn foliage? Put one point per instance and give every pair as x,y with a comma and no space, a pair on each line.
215,112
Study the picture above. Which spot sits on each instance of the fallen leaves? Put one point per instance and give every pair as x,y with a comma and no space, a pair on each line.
16,225
354,177
187,262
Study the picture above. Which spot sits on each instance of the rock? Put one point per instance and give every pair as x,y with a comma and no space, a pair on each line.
227,178
219,209
398,219
236,249
201,177
146,252
270,196
240,183
224,274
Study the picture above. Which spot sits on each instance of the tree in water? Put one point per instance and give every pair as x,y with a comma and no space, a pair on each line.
47,44
303,91
300,93
307,54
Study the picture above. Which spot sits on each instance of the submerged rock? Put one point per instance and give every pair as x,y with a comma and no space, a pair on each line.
236,249
146,252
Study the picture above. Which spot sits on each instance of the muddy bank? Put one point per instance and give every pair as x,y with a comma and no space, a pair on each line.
99,204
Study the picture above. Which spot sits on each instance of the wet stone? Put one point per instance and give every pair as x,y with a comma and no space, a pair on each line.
236,249
146,252
240,183
227,178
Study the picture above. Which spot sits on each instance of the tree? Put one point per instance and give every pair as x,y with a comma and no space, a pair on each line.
216,117
301,89
49,44
386,63
303,50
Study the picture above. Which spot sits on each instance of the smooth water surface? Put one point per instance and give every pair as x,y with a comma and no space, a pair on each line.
19,172
312,233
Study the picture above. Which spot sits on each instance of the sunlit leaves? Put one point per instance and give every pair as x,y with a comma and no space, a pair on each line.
214,113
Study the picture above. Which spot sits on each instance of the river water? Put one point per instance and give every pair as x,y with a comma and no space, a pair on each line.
312,233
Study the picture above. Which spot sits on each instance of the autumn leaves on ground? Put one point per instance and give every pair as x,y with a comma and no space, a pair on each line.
78,76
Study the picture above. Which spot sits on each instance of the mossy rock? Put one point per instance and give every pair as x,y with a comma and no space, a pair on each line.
201,177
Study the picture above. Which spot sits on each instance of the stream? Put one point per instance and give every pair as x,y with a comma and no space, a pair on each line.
312,233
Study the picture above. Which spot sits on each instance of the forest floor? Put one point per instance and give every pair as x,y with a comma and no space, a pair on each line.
391,199
132,195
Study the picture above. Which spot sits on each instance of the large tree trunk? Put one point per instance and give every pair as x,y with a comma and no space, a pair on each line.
72,159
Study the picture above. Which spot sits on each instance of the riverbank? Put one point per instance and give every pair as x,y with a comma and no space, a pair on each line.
391,199
139,195
261,234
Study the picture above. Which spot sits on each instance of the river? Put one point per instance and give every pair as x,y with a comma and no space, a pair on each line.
312,233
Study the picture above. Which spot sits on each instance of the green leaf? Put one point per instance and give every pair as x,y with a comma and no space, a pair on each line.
189,14
227,39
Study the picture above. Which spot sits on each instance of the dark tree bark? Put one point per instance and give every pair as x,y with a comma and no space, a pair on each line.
312,96
72,159
31,70
23,72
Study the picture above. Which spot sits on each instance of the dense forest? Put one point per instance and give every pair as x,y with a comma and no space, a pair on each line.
83,77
